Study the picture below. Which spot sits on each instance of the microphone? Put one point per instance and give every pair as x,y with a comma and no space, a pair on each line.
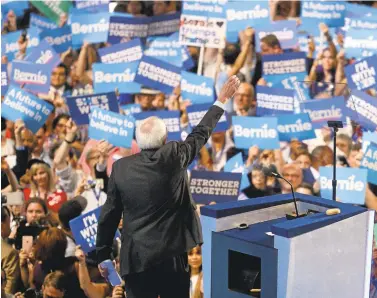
270,173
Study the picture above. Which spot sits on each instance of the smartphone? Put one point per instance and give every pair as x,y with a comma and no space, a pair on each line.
27,243
113,278
12,198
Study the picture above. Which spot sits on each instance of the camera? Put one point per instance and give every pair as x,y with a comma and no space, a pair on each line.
12,198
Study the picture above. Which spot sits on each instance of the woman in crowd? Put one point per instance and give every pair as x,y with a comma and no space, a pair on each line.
196,274
42,185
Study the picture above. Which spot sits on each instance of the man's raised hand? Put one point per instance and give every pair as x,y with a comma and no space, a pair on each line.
229,89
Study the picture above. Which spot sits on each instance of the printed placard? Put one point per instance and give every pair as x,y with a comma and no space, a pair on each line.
171,119
130,109
255,131
158,74
41,22
52,9
274,101
207,187
19,104
363,108
195,114
323,110
296,126
93,5
60,39
84,229
92,28
4,78
44,54
9,42
197,89
243,14
164,24
285,31
362,74
360,43
287,63
369,162
351,184
236,165
124,28
36,77
79,106
108,77
328,12
117,129
123,52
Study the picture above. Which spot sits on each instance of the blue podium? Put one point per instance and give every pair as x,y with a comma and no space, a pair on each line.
316,256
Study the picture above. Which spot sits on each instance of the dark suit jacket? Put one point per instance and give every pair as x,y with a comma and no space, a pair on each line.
151,190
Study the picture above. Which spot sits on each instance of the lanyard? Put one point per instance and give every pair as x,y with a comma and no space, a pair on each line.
97,196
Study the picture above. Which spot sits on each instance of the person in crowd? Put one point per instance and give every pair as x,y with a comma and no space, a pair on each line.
146,98
136,8
159,102
321,156
293,174
304,160
9,256
39,150
355,156
305,188
160,7
244,101
222,148
344,144
258,184
42,185
196,274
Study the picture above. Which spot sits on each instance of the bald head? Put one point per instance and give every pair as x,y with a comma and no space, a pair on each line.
244,98
151,133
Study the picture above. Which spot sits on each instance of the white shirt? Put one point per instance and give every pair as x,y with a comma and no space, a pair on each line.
193,281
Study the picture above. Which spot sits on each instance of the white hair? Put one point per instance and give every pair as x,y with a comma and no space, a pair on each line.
151,133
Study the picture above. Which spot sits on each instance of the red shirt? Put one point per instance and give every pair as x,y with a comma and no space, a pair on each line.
54,200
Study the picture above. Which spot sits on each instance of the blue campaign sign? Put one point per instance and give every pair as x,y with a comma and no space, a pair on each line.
122,52
369,136
158,74
285,31
236,165
203,8
287,63
164,24
60,39
19,104
130,109
79,106
4,78
323,110
296,126
328,12
17,6
84,229
363,107
197,89
41,22
115,128
274,101
207,187
360,10
187,62
243,14
351,186
195,114
93,5
362,74
124,28
9,42
255,131
171,119
369,162
44,54
92,27
360,43
108,77
356,21
36,77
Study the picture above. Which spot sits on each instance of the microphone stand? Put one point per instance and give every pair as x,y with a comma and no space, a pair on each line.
289,216
335,125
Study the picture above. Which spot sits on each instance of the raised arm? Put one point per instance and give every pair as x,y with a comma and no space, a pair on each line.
190,148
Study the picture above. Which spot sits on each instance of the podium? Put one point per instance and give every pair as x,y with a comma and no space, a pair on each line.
314,256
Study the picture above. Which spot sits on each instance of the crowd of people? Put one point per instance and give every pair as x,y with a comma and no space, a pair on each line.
61,173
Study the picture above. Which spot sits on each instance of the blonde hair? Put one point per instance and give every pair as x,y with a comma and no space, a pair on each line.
33,170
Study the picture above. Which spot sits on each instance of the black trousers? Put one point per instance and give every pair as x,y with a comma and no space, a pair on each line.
169,279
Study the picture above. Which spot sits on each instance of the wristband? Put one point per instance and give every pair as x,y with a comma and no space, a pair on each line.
70,142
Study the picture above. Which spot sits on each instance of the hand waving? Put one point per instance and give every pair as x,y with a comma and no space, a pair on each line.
229,88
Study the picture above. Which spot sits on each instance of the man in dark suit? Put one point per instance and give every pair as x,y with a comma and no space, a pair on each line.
160,224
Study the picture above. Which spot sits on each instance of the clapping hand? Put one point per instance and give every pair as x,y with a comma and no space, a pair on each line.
229,89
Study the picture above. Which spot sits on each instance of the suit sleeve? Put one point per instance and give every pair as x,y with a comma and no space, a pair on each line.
110,216
12,272
190,148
